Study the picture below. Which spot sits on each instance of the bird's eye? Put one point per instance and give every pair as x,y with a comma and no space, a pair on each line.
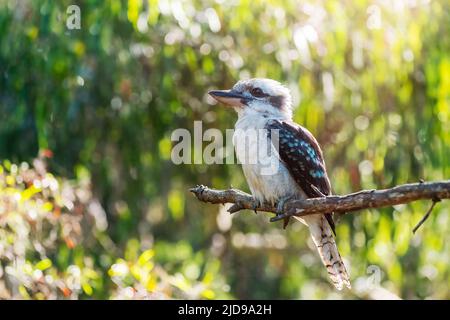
257,92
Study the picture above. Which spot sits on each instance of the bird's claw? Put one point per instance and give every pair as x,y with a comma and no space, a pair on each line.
281,203
256,205
280,210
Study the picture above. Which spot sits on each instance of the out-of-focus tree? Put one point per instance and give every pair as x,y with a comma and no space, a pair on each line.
371,79
53,245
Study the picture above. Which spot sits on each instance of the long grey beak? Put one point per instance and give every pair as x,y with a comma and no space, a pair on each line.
229,97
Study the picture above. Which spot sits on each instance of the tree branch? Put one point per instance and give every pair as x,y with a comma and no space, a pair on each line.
339,204
425,217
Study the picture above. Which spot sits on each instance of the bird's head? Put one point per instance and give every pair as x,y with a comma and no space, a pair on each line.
258,95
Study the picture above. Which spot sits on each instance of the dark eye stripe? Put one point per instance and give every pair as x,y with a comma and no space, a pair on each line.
277,101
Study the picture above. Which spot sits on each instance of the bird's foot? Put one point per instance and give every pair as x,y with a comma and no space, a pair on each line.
280,209
256,205
281,203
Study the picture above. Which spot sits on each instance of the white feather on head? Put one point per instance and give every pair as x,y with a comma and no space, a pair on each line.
278,100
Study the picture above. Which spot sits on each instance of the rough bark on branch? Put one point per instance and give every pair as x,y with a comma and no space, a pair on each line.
339,204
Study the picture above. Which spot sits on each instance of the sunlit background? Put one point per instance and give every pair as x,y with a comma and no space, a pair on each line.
91,205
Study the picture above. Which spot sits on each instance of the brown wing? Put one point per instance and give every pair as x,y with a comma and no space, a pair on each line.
301,153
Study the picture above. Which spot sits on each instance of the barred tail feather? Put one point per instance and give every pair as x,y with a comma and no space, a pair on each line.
322,236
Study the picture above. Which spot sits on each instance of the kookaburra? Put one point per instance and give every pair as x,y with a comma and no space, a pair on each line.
264,105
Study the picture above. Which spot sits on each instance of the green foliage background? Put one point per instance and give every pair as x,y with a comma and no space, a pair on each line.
106,214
